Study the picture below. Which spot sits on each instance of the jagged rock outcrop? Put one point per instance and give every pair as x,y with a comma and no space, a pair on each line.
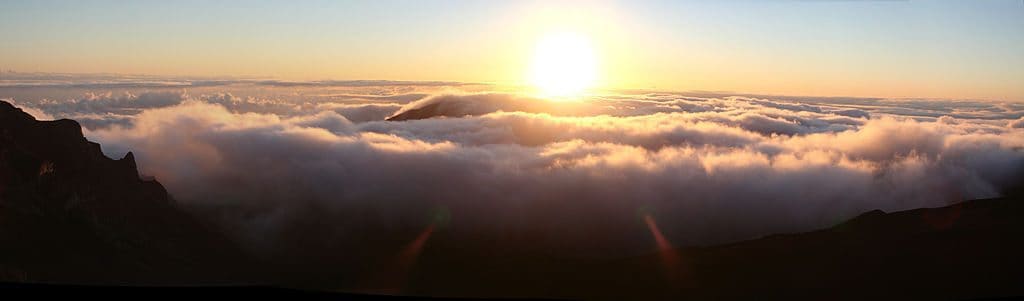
69,214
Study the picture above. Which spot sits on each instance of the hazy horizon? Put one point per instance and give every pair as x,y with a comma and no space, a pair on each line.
901,49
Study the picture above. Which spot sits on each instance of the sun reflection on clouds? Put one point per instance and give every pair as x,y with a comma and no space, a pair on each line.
708,161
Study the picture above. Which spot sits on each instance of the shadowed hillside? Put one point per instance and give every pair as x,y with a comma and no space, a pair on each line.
69,214
968,250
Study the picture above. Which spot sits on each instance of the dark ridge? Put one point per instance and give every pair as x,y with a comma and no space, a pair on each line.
69,214
968,250
427,111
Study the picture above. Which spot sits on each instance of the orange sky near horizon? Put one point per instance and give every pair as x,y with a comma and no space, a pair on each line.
907,50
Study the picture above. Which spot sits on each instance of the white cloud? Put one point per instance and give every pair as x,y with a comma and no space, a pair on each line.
1017,124
738,170
318,157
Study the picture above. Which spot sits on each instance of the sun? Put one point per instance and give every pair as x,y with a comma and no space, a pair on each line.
564,65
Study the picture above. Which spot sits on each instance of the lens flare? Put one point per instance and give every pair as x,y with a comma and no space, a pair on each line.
659,238
675,273
392,277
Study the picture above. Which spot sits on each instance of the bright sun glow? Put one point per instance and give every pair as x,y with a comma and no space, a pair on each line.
564,65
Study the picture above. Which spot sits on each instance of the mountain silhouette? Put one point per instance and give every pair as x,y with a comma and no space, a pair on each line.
69,214
967,250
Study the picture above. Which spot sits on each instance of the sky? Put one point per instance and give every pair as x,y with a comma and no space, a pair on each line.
917,49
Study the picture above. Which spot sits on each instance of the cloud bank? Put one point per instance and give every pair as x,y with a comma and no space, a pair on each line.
563,176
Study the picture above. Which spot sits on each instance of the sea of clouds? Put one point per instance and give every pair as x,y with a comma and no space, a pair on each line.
709,167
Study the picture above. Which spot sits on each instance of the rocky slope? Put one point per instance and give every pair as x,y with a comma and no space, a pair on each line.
69,214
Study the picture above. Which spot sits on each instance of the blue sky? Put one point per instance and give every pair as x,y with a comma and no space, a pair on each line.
970,49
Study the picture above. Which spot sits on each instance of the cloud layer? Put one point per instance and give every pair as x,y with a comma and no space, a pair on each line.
568,176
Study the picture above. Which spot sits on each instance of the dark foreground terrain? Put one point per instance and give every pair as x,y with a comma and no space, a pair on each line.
965,251
70,216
